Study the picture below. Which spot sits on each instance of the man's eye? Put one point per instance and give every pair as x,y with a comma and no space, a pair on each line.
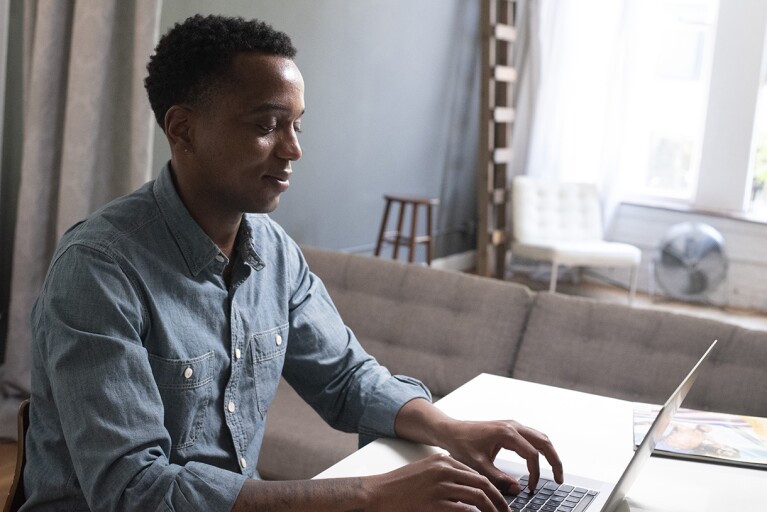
267,129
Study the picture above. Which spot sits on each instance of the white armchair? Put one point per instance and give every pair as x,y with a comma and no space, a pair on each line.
561,223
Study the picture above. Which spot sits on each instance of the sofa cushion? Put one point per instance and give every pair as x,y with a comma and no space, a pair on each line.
438,326
641,354
298,444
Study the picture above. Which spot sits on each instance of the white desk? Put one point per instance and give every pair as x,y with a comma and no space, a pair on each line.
593,436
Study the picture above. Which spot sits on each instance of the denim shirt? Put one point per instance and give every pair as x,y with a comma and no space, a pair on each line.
152,378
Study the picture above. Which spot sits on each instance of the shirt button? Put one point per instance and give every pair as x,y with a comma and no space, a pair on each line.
278,340
230,407
243,462
220,258
188,373
237,353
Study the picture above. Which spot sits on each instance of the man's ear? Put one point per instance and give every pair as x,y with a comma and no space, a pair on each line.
178,129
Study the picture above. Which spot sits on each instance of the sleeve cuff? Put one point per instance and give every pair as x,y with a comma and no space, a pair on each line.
389,397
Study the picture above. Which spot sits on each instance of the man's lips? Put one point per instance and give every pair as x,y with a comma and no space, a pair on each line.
281,180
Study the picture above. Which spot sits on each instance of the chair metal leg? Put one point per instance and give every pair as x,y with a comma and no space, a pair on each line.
553,282
633,285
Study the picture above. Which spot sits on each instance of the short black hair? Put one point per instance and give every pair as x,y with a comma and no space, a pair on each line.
194,55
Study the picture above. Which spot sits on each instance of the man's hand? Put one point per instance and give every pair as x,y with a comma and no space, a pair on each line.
476,444
437,483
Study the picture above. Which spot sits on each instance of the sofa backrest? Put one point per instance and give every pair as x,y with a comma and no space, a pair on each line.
642,355
438,326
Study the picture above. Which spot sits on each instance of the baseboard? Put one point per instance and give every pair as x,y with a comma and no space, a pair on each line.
461,262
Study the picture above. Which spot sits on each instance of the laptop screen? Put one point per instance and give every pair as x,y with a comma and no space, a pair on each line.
655,433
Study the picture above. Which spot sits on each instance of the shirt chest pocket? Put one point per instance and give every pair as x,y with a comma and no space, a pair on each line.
267,356
186,387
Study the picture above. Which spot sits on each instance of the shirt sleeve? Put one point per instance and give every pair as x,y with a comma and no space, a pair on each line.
88,325
327,366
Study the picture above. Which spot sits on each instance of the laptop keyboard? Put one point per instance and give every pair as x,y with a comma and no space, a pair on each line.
551,497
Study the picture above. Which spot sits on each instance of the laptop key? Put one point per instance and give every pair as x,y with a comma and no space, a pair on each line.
584,502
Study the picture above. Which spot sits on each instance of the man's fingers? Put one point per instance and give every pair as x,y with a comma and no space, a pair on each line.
469,486
506,483
543,444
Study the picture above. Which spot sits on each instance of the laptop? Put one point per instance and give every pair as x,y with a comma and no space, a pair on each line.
578,493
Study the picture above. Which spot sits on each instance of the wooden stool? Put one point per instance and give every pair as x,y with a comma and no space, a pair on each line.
397,237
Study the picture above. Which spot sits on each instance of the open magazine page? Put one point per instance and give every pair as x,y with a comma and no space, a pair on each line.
708,436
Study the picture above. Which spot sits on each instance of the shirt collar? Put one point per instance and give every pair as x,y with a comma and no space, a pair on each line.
197,247
247,246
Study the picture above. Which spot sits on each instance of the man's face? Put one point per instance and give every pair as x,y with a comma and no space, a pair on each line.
245,137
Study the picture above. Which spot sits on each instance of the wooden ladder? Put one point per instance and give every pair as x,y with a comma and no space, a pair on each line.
499,77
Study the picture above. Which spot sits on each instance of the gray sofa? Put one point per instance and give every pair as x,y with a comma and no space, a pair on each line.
446,327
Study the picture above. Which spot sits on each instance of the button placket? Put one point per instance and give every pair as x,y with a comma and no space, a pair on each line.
238,436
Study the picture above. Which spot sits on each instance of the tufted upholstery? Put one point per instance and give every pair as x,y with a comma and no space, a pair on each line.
438,326
562,223
642,355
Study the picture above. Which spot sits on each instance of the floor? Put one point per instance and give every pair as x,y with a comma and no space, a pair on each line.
7,467
744,318
749,319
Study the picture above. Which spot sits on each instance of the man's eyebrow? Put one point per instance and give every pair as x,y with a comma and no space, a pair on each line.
272,107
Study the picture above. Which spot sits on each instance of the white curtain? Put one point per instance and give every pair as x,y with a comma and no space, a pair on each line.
87,138
577,74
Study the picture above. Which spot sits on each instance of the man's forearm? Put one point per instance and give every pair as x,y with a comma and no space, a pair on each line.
331,495
420,421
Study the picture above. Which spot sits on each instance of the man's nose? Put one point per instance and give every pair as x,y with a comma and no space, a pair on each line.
289,148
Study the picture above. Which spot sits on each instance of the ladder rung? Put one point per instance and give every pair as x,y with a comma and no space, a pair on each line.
500,196
505,32
502,155
505,74
503,114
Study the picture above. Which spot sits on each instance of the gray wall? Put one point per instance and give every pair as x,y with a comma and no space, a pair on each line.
392,106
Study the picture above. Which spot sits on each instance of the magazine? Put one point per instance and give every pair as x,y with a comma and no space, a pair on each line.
707,436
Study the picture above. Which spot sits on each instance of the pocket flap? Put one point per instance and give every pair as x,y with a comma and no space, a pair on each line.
182,373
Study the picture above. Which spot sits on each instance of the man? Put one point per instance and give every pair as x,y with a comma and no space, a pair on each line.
168,317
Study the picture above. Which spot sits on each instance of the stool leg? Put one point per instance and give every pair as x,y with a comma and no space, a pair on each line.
398,237
381,232
413,228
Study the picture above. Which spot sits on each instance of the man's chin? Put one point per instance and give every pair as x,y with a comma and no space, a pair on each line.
268,207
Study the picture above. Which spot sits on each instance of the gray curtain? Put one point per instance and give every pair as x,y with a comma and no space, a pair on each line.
87,138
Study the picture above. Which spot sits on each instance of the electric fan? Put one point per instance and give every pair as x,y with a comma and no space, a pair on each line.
691,261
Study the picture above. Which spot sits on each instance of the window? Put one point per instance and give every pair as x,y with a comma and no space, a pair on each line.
759,179
674,55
